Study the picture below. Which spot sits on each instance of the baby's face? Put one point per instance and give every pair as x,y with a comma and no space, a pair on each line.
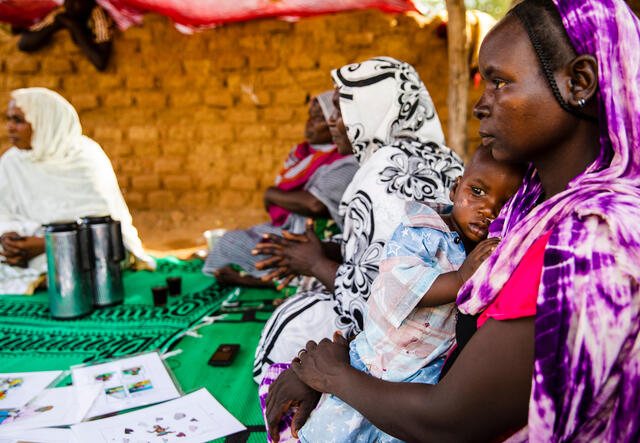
478,197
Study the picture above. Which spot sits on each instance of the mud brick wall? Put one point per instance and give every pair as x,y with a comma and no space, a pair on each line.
198,125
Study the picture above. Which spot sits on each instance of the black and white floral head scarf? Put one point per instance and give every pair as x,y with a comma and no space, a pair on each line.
383,100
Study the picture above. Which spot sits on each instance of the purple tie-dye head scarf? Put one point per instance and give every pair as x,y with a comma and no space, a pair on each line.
586,379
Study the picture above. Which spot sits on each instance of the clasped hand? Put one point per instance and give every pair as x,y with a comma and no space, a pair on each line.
19,250
310,374
292,254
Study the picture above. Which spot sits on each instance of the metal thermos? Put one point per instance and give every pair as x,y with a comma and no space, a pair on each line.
70,262
108,250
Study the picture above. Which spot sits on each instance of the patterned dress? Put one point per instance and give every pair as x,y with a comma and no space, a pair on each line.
397,138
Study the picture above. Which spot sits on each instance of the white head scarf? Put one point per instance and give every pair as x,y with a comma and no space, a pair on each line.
325,100
64,176
382,100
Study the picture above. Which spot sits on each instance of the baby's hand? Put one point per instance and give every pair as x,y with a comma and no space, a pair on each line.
479,254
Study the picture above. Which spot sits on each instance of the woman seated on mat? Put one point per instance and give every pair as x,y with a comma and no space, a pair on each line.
558,303
385,115
411,314
311,184
51,173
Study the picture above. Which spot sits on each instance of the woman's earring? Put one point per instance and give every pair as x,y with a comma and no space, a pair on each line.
581,102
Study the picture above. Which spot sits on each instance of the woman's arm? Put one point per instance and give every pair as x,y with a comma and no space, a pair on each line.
299,202
484,395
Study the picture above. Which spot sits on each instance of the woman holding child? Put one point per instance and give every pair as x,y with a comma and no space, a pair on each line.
555,356
384,115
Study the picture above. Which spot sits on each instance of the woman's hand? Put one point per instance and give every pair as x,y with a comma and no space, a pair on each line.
19,250
479,254
319,364
285,392
292,254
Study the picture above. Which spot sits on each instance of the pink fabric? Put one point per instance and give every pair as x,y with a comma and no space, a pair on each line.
301,164
519,295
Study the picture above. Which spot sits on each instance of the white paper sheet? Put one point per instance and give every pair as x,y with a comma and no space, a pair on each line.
54,407
48,435
18,388
127,383
196,417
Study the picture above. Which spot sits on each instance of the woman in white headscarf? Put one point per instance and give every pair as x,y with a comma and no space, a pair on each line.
384,114
51,173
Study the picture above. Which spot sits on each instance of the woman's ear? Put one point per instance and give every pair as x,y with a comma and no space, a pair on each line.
454,188
583,80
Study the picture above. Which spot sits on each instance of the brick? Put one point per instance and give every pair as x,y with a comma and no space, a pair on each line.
218,98
22,64
132,166
150,99
277,114
183,133
229,61
174,148
302,61
292,97
44,81
145,182
168,164
232,199
140,81
161,199
107,133
117,99
260,98
57,66
82,102
197,67
143,134
290,131
312,79
262,60
275,78
212,181
243,183
218,132
242,115
186,98
358,39
177,182
134,199
254,132
332,61
196,199
146,149
141,33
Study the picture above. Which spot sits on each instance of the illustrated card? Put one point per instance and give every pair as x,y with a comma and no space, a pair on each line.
196,417
18,388
53,407
127,383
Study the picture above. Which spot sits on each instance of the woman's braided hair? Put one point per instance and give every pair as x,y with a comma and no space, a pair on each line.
550,40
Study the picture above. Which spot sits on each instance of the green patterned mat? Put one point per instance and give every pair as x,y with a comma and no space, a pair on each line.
27,329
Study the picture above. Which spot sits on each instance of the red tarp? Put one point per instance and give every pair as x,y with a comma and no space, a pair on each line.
25,12
200,13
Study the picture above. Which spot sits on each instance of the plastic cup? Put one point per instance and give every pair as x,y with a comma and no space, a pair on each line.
175,285
159,295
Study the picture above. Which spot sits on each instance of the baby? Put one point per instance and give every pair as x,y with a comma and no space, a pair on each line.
410,321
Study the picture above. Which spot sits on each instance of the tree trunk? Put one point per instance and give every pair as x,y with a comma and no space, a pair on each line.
458,97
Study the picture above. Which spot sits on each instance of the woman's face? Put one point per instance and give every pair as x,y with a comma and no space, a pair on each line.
317,128
519,117
18,128
337,129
